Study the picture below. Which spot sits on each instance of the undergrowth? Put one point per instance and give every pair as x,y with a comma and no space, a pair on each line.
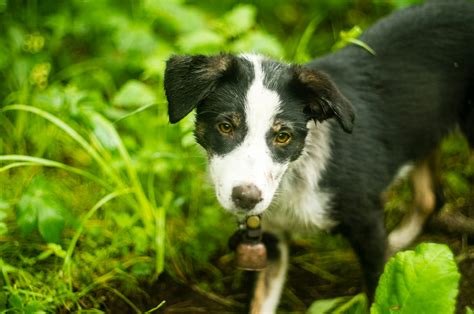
99,194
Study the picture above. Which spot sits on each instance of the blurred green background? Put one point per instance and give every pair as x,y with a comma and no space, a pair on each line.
103,204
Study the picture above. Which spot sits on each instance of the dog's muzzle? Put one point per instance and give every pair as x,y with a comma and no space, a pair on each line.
246,196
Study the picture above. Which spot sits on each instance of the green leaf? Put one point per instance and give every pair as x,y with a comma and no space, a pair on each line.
3,228
39,208
259,42
240,19
3,5
400,4
201,41
50,224
15,301
27,214
458,184
34,307
134,94
469,311
358,304
420,281
350,37
3,300
325,306
342,305
4,205
104,131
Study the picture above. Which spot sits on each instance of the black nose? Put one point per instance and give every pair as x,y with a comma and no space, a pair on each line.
246,196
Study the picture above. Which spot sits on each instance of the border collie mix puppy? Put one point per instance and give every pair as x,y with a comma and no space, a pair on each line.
313,146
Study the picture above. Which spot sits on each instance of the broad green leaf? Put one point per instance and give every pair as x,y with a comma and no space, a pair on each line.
39,208
172,14
240,19
134,94
201,41
27,216
104,131
136,39
34,307
469,311
154,63
50,224
259,42
421,281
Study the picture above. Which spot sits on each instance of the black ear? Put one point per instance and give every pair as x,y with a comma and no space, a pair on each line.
190,79
323,98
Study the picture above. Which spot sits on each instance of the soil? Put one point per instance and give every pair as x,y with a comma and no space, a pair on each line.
334,274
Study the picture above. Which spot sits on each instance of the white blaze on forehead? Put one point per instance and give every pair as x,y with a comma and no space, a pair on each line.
262,104
251,162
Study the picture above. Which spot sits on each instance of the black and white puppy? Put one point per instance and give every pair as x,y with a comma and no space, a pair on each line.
314,146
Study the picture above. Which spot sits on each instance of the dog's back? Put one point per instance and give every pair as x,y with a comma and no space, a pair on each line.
416,88
426,65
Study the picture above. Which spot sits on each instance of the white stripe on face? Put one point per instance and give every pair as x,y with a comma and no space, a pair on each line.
251,162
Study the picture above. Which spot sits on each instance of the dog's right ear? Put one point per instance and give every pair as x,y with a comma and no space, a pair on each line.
323,98
190,79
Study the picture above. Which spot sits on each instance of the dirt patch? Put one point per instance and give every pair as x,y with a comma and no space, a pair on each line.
333,273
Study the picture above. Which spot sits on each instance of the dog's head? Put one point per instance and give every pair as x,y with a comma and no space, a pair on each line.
252,118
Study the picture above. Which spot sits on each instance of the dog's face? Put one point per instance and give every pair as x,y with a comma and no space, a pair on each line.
252,117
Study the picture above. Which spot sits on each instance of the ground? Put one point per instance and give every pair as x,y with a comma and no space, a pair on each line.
312,275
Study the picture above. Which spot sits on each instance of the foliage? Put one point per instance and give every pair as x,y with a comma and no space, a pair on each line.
341,305
421,281
99,195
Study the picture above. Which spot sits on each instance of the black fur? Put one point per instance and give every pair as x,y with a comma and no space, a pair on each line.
407,97
418,87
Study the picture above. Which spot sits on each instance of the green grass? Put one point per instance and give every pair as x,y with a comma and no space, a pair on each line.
99,195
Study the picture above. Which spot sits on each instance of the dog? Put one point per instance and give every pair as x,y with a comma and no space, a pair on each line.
313,147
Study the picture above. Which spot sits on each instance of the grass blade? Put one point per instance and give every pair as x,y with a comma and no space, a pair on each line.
23,160
72,133
75,238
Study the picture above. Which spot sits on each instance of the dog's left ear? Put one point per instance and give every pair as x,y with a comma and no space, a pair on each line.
323,98
190,79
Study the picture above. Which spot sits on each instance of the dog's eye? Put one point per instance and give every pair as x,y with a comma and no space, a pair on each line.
282,138
225,128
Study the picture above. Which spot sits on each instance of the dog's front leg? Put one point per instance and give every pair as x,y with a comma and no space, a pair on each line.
368,239
270,281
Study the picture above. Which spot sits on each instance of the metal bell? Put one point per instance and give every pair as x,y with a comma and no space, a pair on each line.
251,256
251,253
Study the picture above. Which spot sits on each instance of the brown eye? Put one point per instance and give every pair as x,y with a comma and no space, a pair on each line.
282,138
225,128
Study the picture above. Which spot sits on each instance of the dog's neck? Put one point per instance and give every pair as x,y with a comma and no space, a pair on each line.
299,195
